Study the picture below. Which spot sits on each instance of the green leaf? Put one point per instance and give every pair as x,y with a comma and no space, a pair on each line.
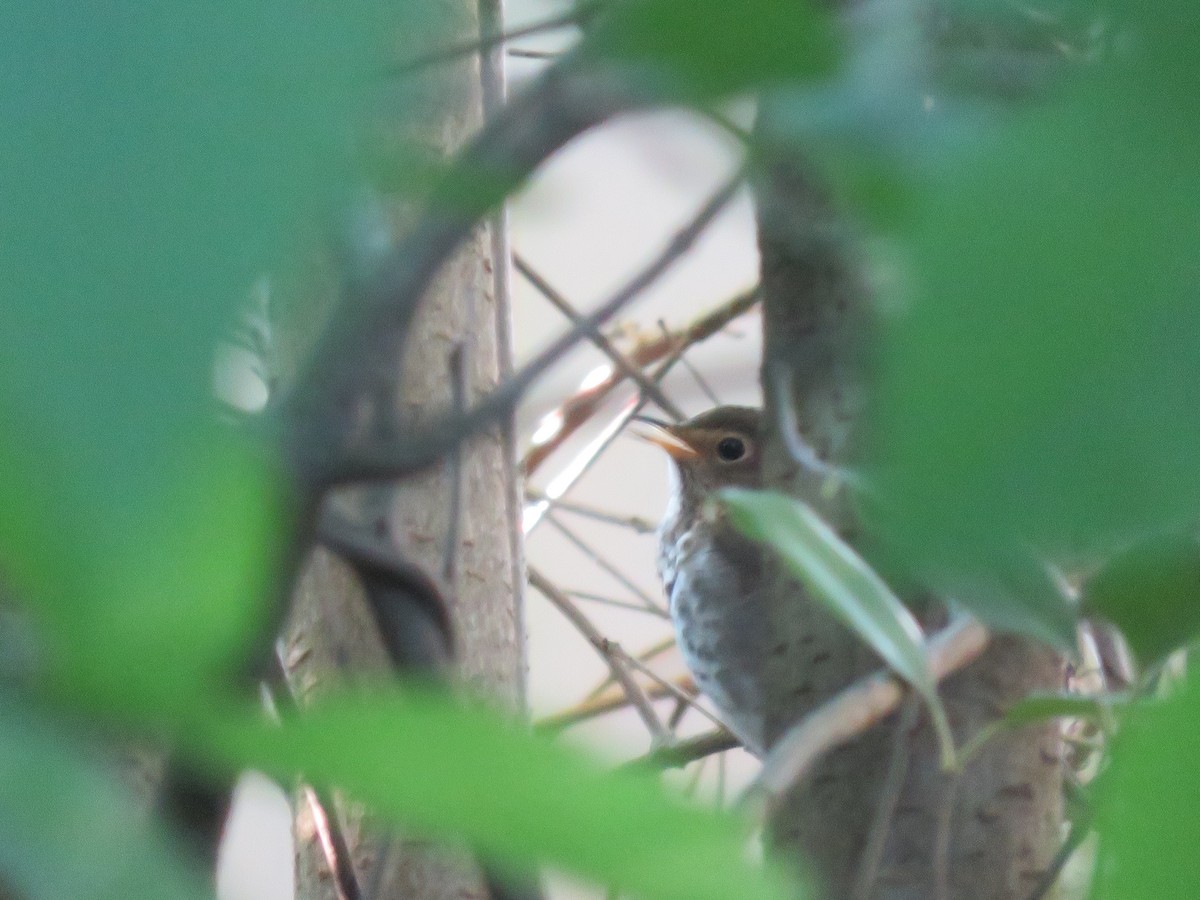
1041,707
1146,803
66,830
840,579
698,49
441,770
1151,592
1038,357
142,607
169,155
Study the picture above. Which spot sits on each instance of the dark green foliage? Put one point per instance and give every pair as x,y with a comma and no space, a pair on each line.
1152,593
1040,356
700,49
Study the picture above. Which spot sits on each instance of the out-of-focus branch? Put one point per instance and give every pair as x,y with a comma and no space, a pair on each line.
856,709
625,366
577,16
373,462
635,523
681,753
363,337
616,658
582,406
607,703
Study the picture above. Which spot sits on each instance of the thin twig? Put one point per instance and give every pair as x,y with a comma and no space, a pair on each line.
676,692
458,401
576,16
582,406
381,462
856,709
585,460
677,713
635,523
700,380
593,708
885,808
618,604
627,368
656,649
693,782
524,53
322,411
334,845
681,753
607,650
587,550
1080,829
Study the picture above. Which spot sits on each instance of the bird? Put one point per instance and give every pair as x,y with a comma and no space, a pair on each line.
711,573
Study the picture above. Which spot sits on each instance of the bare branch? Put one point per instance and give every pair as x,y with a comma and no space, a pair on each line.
587,550
458,394
636,523
388,461
627,368
592,597
590,709
362,338
609,652
856,709
579,14
582,406
681,753
688,699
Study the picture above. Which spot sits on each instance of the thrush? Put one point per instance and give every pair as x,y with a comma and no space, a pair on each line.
712,574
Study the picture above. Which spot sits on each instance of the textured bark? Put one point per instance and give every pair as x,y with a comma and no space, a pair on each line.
332,635
988,834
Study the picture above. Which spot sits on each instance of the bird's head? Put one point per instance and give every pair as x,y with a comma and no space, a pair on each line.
717,449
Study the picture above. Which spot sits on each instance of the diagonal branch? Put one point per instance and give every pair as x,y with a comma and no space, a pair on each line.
374,462
576,17
321,411
613,656
679,754
855,709
624,365
580,408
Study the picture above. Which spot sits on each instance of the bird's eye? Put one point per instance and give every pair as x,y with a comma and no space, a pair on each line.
731,449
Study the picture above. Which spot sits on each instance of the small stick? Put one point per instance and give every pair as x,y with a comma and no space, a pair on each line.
602,645
624,365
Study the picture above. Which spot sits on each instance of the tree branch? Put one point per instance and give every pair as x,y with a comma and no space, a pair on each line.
854,710
321,411
625,366
377,462
681,753
613,656
580,408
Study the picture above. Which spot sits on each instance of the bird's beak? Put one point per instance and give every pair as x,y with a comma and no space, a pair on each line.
663,435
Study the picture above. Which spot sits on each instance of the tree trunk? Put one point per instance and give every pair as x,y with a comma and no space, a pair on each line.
877,818
332,633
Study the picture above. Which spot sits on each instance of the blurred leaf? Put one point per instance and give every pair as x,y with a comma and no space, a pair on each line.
1041,707
841,580
704,48
1146,803
168,156
1037,369
1011,591
1151,592
439,769
68,831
